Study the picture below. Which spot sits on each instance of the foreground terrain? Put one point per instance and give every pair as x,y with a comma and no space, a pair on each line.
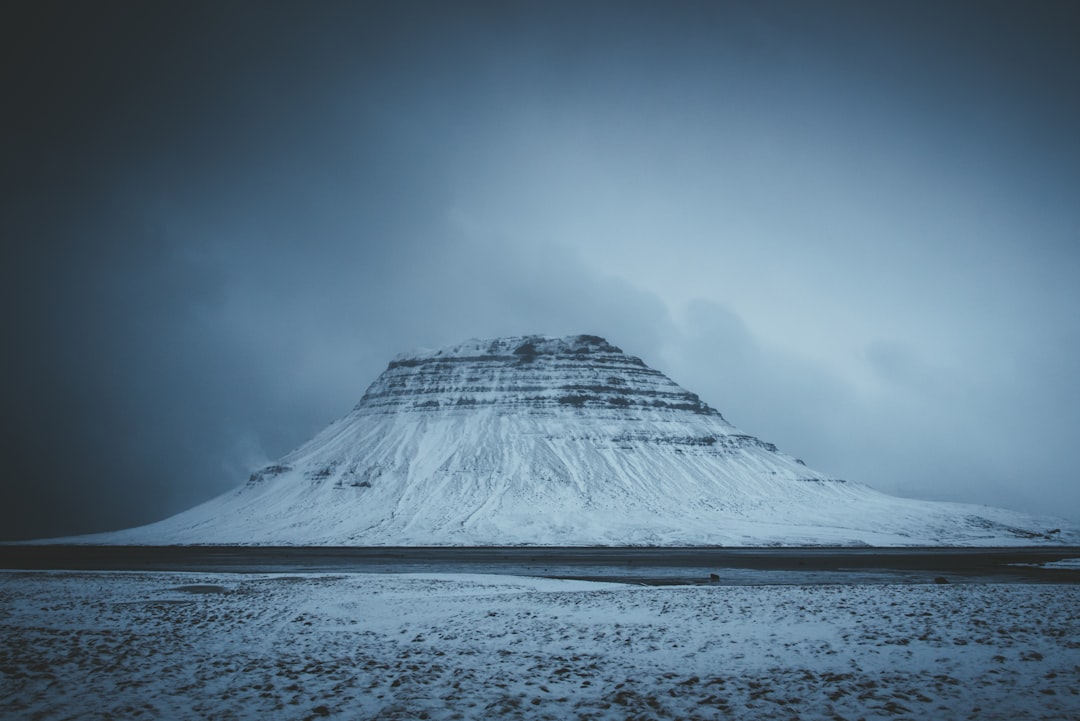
381,646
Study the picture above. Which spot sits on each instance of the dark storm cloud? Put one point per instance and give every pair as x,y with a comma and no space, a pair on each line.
851,227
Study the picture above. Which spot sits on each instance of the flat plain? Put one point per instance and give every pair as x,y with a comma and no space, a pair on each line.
184,645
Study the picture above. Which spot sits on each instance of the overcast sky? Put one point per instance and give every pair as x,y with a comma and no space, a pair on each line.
851,227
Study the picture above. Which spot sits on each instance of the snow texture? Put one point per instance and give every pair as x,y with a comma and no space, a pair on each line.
228,646
558,441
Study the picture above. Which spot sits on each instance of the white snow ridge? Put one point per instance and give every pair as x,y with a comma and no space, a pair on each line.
557,441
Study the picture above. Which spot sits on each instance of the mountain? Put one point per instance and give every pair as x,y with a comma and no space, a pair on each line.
557,441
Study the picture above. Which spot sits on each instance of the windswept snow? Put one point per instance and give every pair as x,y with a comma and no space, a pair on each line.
558,441
226,646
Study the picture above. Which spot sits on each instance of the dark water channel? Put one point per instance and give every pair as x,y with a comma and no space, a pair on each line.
652,566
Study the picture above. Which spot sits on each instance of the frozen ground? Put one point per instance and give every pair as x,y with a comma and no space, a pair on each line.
227,646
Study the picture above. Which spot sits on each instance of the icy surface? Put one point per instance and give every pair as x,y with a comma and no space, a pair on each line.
1069,563
558,441
227,646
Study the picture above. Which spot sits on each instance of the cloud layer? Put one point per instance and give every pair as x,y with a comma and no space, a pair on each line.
852,230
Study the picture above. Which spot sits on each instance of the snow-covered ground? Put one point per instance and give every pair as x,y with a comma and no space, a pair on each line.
358,646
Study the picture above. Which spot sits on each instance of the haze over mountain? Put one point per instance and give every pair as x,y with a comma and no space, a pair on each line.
558,441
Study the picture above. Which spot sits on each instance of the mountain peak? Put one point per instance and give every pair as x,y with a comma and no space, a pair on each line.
556,441
532,374
521,346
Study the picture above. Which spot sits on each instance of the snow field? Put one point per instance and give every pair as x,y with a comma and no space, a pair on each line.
372,646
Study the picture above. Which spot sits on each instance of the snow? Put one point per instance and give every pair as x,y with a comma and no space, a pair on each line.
383,646
559,441
1067,563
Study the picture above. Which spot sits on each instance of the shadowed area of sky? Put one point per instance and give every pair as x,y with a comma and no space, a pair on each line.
851,227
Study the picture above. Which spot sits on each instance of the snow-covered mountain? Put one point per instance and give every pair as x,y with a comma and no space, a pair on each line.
557,441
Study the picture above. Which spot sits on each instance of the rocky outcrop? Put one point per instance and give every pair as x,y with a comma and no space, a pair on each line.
531,375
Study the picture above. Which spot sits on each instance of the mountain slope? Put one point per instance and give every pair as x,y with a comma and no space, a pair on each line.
556,441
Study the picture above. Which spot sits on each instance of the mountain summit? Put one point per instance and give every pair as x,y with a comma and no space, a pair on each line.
556,441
